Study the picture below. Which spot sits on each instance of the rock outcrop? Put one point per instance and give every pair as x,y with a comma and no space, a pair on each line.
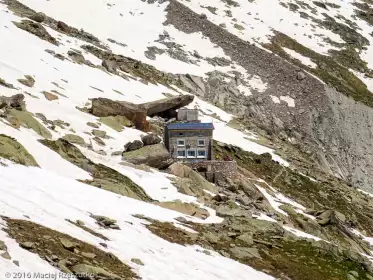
103,107
333,129
137,113
150,139
15,101
133,146
12,150
167,107
155,156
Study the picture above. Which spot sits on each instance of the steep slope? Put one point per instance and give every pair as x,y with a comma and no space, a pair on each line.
80,209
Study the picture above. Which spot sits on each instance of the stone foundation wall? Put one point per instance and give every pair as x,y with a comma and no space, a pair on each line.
226,168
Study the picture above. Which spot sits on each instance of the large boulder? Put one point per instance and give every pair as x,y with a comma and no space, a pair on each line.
133,146
16,101
150,139
155,156
189,181
167,104
137,113
103,107
185,208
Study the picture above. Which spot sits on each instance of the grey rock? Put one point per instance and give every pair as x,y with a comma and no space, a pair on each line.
67,244
38,17
132,146
99,133
155,156
351,277
6,256
137,261
301,76
94,125
28,245
150,139
354,273
245,253
210,237
246,238
16,262
76,56
88,255
85,269
3,246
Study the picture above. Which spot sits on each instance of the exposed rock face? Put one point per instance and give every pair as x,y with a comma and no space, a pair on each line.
150,139
167,105
14,151
155,156
38,17
27,81
136,113
50,96
76,57
37,29
103,107
15,101
190,182
185,208
335,129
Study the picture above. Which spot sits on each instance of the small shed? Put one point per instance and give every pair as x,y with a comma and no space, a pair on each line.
189,115
190,141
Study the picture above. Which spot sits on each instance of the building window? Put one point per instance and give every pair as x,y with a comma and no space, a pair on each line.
201,142
180,143
191,153
181,153
181,133
201,153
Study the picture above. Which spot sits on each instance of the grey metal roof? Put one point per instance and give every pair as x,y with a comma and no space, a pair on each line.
190,126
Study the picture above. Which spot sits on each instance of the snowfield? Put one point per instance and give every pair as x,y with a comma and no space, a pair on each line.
51,194
49,199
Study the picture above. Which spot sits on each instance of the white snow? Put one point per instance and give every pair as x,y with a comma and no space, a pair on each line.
300,233
49,199
290,101
303,59
275,99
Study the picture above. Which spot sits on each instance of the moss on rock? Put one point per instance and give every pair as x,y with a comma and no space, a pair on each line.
116,122
12,150
27,120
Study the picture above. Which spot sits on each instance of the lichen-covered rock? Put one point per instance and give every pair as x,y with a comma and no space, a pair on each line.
75,139
155,156
12,150
16,101
116,122
99,133
133,146
28,81
185,208
36,29
189,181
103,107
49,96
93,271
27,120
150,139
76,56
38,17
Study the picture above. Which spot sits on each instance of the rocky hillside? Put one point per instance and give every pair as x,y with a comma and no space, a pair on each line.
87,188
